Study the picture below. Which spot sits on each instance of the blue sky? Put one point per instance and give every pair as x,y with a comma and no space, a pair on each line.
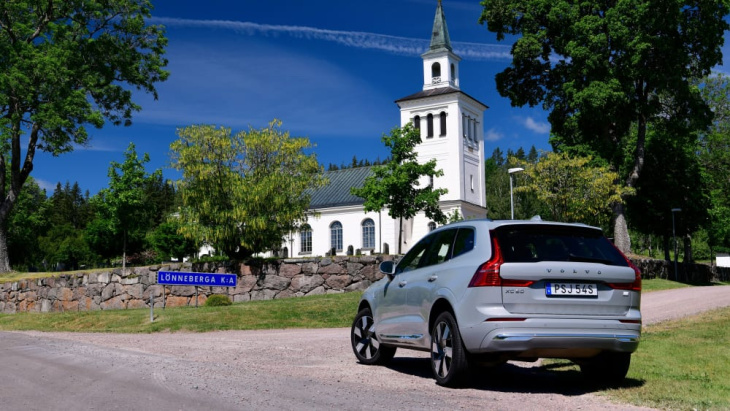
329,69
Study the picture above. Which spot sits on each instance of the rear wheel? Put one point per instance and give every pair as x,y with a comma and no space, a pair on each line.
365,343
448,356
607,367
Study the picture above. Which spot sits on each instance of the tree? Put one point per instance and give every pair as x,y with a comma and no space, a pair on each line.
601,67
64,65
243,192
396,186
26,223
122,205
572,189
714,155
169,243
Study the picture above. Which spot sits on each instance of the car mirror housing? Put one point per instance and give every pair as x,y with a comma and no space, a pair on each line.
388,268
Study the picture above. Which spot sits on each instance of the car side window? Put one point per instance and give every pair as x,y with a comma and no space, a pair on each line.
415,257
441,246
464,241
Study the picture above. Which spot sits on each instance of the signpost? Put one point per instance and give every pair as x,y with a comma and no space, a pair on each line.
196,280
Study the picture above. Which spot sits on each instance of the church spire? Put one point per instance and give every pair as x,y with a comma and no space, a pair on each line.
440,36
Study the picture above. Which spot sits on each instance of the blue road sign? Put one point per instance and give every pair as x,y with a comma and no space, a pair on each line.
198,279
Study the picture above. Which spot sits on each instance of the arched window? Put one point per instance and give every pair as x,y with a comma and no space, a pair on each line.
436,72
305,239
429,122
336,236
453,72
417,122
443,123
368,234
431,226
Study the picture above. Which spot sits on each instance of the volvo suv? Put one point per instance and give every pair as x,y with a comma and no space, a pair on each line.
482,292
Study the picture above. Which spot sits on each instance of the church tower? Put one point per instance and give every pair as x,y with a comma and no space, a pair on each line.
452,129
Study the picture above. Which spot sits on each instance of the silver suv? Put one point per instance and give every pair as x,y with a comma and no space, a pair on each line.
483,292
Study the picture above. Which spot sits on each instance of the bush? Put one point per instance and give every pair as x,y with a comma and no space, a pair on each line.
218,300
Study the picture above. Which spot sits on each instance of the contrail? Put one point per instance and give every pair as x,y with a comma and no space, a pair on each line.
356,39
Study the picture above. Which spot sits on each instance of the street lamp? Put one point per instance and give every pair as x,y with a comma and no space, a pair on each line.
511,196
675,210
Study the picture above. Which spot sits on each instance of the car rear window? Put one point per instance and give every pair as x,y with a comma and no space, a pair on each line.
533,243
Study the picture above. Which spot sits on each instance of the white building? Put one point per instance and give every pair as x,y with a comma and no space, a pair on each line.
452,132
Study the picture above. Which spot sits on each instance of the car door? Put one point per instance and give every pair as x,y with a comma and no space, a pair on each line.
394,319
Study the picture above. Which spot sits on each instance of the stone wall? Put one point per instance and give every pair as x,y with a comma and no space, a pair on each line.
111,290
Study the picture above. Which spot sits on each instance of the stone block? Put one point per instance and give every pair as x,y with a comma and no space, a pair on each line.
289,270
276,283
338,282
317,291
306,283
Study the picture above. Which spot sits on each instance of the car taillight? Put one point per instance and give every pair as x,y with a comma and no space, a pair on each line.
636,285
487,274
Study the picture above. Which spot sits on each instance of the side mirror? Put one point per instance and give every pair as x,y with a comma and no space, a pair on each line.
388,268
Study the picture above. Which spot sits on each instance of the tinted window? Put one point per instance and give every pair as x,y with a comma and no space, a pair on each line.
440,250
415,257
464,241
532,243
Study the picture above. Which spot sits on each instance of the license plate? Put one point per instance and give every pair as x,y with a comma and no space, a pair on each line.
582,290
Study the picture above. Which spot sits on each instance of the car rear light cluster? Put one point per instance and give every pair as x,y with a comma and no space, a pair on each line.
487,274
636,285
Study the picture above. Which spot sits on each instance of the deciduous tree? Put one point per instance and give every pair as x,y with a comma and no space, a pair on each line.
65,65
243,192
396,186
600,67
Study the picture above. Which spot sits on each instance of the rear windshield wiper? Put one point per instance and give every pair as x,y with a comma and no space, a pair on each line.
583,259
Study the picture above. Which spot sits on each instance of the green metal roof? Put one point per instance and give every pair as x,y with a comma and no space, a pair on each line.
440,35
337,192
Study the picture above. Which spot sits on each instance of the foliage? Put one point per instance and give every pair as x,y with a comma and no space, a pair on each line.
714,155
572,189
122,211
217,300
242,192
27,222
65,65
602,67
395,185
169,243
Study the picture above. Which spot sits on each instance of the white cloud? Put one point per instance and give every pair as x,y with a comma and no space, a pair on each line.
493,135
356,39
539,127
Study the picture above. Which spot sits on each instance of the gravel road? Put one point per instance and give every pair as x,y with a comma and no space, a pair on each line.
281,369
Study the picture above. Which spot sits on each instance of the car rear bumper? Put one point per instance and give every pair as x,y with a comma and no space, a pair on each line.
546,338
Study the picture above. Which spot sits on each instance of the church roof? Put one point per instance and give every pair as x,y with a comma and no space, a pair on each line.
437,92
337,192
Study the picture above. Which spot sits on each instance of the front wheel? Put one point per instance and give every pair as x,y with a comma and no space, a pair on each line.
365,343
448,355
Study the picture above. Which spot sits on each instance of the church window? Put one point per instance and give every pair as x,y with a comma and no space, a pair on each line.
464,125
436,73
431,226
336,236
417,122
429,123
368,234
305,237
471,182
453,72
443,123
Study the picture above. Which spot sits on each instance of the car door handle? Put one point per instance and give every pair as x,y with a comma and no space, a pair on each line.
402,284
432,278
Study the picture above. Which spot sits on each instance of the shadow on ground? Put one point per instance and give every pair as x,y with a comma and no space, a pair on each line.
552,378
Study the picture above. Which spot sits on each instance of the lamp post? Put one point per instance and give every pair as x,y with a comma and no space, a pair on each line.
511,196
676,276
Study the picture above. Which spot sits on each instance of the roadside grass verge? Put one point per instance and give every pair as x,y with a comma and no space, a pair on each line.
321,311
658,284
680,364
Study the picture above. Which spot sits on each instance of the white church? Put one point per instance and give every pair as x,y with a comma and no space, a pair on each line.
452,132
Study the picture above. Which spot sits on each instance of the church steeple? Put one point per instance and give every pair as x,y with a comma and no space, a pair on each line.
440,64
440,36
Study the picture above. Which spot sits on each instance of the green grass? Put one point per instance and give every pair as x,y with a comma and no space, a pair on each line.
658,284
683,364
323,311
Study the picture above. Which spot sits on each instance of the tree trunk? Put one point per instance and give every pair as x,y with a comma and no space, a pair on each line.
621,230
124,253
688,257
4,257
667,257
400,234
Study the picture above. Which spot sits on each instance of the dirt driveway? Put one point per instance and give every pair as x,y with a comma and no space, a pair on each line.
314,369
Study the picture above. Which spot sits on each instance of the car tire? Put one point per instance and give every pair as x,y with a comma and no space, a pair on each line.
365,343
449,361
607,368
